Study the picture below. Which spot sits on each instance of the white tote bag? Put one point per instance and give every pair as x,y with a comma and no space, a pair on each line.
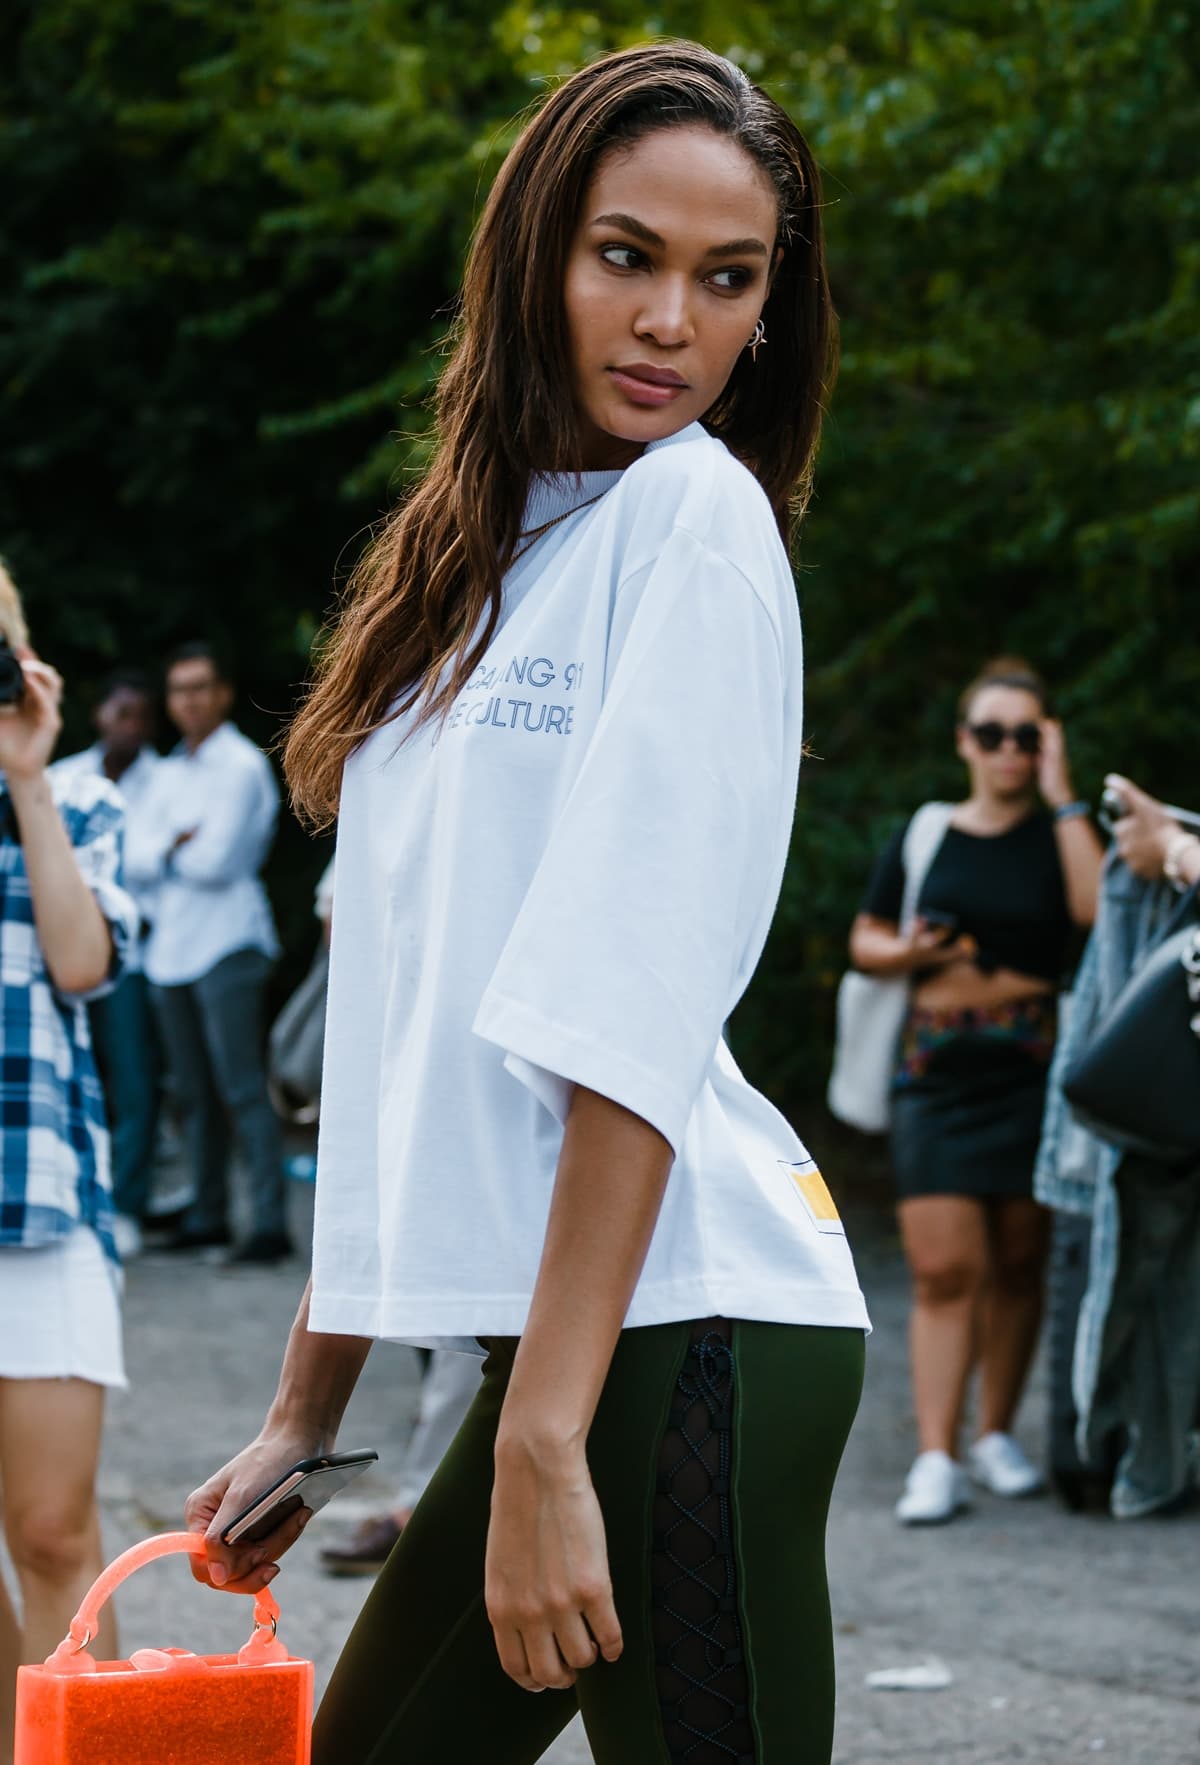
871,1010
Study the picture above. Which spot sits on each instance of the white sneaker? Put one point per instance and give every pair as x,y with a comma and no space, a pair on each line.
127,1235
997,1463
935,1490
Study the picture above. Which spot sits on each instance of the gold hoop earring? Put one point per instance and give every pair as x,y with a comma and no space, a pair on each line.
757,341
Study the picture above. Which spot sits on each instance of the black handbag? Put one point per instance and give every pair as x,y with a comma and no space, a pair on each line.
1137,1082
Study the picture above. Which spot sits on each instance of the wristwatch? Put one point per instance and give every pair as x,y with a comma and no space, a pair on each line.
1173,860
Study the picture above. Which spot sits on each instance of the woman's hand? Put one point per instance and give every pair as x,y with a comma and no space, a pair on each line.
879,947
244,1568
547,1585
1054,772
29,731
930,946
1145,831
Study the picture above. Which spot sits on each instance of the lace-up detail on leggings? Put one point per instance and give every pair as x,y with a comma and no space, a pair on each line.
703,1685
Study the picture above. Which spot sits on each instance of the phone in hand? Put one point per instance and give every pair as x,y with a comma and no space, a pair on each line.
935,921
309,1484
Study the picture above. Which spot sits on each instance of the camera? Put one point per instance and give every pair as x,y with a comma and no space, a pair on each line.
12,675
1113,808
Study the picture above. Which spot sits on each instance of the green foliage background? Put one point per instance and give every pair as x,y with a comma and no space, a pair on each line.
229,241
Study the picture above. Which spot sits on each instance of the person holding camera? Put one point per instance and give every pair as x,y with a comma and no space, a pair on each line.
1149,839
1018,868
66,926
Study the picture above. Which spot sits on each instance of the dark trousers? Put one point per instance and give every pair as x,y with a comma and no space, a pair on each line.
212,1034
126,1043
713,1453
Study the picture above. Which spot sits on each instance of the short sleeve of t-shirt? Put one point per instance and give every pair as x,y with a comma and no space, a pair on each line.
884,897
630,947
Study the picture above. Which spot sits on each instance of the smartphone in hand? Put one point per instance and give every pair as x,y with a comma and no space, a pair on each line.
309,1484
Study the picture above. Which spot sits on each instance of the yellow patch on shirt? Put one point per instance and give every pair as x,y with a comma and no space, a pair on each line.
813,1191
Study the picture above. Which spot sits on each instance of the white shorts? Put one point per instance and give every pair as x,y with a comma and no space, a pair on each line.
60,1312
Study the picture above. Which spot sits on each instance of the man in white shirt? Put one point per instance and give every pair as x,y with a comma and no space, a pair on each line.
123,1029
214,807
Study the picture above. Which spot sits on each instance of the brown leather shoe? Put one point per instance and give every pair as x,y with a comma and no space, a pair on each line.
366,1550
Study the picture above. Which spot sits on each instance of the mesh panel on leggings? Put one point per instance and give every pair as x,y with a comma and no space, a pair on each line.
703,1685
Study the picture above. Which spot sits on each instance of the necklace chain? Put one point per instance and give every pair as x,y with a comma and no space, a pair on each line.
531,538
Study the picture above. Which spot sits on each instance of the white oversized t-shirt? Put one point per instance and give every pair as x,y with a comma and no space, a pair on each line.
569,881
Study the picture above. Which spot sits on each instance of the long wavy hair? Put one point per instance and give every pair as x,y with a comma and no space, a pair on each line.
420,608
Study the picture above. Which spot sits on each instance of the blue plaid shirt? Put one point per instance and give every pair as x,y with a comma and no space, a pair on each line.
54,1165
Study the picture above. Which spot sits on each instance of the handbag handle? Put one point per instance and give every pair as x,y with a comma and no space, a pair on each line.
71,1655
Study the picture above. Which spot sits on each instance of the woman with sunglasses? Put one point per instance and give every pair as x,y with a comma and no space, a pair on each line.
1017,870
560,723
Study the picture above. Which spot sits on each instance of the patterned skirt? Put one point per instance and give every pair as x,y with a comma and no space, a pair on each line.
970,1090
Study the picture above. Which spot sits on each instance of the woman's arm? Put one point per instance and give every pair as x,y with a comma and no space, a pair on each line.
1081,856
549,1596
1186,848
1147,836
316,1383
72,932
1079,850
878,947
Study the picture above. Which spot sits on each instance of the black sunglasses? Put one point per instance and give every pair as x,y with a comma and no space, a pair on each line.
992,736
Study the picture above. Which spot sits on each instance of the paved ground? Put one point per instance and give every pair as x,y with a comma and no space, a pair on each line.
1069,1638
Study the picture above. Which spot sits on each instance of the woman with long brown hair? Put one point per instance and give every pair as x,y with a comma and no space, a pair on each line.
559,721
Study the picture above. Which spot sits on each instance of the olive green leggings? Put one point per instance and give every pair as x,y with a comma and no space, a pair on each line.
713,1453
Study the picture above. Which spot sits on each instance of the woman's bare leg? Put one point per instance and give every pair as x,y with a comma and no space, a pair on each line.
10,1658
946,1245
49,1454
1019,1240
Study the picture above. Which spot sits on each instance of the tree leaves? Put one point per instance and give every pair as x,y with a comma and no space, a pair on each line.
230,242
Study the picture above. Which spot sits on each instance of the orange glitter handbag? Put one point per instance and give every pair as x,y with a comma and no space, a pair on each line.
165,1706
